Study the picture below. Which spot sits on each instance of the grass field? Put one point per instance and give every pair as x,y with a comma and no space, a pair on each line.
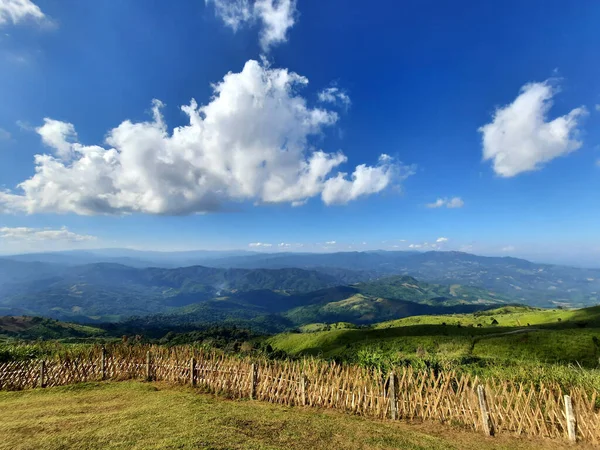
508,316
555,346
135,415
526,344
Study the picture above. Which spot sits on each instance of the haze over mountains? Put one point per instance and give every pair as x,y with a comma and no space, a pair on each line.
282,289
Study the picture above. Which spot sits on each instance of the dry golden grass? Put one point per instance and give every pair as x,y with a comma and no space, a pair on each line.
134,415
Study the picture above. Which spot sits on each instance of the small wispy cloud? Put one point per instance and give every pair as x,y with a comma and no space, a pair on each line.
259,244
24,125
437,245
275,17
508,248
330,243
334,95
454,202
4,135
42,234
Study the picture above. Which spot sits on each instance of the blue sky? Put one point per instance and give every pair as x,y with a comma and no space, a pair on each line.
288,149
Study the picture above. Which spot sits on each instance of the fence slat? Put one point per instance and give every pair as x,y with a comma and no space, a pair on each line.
486,423
570,419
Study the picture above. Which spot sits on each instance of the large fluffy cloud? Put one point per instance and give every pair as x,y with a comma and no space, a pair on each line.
520,138
15,11
42,234
276,17
251,142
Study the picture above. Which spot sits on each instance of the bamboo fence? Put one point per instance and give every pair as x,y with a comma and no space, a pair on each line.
488,406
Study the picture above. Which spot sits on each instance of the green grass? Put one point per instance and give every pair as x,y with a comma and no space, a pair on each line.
508,316
31,328
547,350
132,415
575,346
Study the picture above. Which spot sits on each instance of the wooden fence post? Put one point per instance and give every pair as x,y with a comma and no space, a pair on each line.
193,371
486,422
253,381
148,369
392,395
103,363
570,419
42,380
303,388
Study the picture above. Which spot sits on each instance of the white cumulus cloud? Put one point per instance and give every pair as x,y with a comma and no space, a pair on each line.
42,234
441,240
259,245
365,180
16,11
454,202
252,142
59,136
520,137
330,243
276,17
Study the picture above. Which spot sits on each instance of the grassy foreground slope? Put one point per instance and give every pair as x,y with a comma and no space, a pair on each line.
134,415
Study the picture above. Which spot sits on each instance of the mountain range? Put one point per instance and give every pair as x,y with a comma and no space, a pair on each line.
281,289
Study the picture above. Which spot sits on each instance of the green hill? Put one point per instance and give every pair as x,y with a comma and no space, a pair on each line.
409,289
31,328
508,316
493,338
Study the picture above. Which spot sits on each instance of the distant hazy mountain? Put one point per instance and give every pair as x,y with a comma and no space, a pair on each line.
52,284
14,271
112,291
271,311
133,258
525,282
